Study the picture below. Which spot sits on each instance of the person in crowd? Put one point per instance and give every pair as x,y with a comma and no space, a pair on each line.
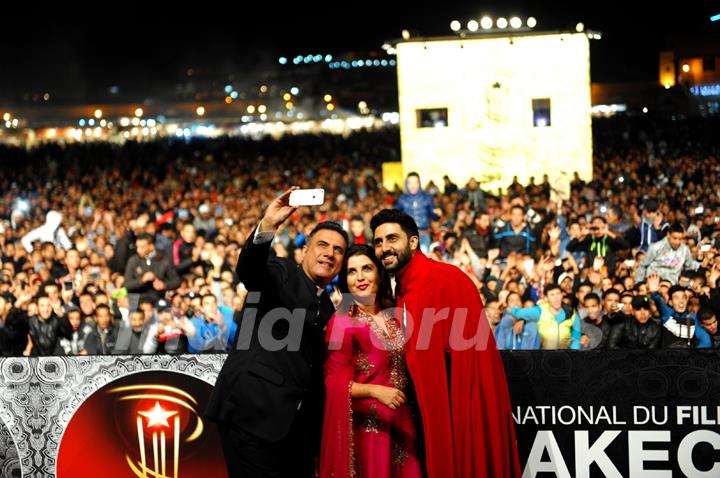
183,257
133,336
516,236
148,272
651,229
214,329
508,337
171,332
708,321
51,232
594,327
613,310
13,327
75,345
359,233
103,335
638,331
681,328
46,329
419,205
599,240
558,325
668,257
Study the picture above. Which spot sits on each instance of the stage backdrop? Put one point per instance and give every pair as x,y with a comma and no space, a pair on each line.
578,414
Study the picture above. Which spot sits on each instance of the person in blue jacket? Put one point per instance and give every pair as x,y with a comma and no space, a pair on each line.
419,205
681,328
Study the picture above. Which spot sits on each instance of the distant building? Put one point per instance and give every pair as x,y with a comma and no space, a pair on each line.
495,106
694,66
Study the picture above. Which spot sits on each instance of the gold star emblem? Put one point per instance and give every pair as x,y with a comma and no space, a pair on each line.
157,416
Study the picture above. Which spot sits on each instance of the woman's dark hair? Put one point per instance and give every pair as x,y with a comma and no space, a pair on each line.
384,296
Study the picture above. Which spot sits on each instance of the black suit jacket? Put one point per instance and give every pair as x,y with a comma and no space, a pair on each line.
274,373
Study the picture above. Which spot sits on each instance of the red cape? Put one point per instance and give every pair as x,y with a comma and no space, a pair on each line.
465,404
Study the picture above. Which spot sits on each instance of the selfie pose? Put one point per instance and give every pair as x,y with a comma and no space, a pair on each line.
268,398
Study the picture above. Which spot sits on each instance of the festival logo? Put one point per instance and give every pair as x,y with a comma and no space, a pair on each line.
146,425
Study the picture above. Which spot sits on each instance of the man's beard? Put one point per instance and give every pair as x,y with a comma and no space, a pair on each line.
402,258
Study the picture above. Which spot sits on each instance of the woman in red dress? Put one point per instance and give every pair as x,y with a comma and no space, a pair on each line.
368,428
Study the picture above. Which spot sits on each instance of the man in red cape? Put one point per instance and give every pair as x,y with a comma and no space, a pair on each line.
455,367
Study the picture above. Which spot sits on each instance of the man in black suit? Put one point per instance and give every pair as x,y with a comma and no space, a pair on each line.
268,398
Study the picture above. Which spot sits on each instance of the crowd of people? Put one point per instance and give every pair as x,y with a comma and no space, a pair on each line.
122,249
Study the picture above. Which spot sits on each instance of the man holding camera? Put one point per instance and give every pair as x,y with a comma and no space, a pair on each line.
148,272
599,240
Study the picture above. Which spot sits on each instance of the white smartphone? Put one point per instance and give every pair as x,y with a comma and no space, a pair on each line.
705,247
307,197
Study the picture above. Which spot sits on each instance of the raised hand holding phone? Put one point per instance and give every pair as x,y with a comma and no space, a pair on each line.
277,212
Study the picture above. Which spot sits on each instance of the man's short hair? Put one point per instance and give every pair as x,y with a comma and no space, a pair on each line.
650,205
145,300
146,236
517,206
592,296
676,227
413,173
329,226
102,306
599,218
674,289
552,287
611,291
705,314
406,223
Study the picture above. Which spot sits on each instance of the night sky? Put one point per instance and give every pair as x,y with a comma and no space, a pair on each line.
76,47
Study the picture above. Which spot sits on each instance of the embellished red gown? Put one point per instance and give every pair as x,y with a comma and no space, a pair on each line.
364,438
